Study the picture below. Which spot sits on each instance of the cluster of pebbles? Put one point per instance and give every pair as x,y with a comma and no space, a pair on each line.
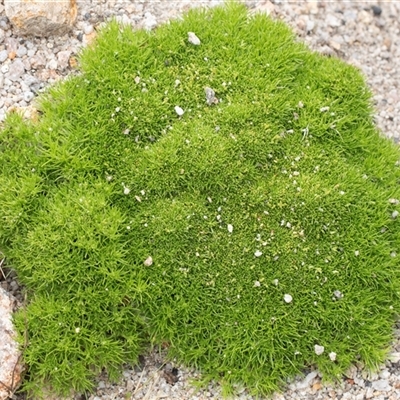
365,34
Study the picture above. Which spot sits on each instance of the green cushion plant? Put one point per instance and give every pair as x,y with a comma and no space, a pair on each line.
254,235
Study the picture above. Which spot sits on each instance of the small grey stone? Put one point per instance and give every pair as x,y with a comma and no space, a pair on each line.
28,96
3,55
31,80
38,60
381,385
149,22
333,21
394,357
52,64
384,374
88,29
31,52
376,10
63,58
16,70
11,44
21,51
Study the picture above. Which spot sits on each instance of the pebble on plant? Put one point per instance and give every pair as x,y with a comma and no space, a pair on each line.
332,356
210,96
230,228
288,298
319,349
258,253
193,39
179,111
148,262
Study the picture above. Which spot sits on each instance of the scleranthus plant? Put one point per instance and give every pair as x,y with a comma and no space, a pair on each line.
229,198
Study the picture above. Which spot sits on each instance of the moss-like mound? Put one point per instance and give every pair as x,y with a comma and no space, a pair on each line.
254,234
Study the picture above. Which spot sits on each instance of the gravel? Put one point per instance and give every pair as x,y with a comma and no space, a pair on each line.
365,34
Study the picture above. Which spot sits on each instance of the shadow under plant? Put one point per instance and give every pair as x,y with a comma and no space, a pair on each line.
221,191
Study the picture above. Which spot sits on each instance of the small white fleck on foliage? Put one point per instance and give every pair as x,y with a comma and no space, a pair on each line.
210,96
288,298
230,228
193,39
324,109
319,349
395,214
338,294
126,190
332,356
356,253
258,253
148,262
77,330
275,282
137,80
179,111
257,284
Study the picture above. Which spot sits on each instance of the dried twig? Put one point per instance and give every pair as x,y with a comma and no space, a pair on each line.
1,269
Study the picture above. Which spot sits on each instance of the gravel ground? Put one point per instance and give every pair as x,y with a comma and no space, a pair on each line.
365,34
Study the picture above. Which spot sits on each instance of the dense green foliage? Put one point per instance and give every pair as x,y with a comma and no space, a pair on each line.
283,187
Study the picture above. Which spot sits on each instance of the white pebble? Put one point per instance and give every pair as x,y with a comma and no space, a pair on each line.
356,253
148,262
275,282
395,214
338,294
230,228
257,284
193,39
126,190
319,349
258,253
332,356
28,96
179,111
288,298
